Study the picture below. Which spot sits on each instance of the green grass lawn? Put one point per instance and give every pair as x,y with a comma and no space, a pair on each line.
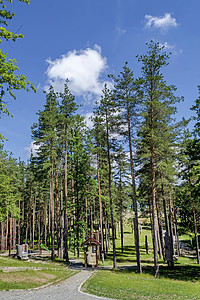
180,282
130,285
32,278
44,272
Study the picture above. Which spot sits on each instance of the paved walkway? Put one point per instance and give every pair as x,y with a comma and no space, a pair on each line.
65,290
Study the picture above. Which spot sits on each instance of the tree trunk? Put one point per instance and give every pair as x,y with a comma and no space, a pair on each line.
27,225
10,236
171,223
66,255
136,231
195,230
61,217
19,225
14,234
154,214
110,196
39,232
33,226
106,232
121,222
74,216
45,224
176,230
160,232
165,208
2,236
52,215
100,209
91,216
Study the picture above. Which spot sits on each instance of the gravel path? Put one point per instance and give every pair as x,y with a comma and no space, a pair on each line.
65,290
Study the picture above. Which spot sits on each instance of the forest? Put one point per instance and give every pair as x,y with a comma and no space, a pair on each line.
81,182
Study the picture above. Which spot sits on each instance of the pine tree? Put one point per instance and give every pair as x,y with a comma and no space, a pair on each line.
127,103
67,108
106,117
156,133
45,135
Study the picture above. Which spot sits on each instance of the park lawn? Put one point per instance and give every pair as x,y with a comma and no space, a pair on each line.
28,279
19,274
122,284
180,282
6,261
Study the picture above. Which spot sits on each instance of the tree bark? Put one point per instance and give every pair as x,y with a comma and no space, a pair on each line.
110,196
100,209
52,214
136,231
66,205
154,215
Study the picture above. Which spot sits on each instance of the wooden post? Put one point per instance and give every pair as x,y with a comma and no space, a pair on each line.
85,257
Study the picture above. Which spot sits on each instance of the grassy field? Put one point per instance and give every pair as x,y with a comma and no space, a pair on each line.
180,282
18,274
121,284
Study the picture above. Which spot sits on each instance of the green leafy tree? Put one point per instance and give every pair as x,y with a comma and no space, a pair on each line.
9,79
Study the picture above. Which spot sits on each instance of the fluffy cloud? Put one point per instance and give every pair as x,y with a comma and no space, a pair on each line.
83,69
32,148
164,22
88,120
167,46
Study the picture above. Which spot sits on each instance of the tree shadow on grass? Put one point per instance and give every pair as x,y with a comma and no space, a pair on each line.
183,273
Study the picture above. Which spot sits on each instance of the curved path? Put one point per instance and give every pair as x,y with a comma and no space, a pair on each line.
65,290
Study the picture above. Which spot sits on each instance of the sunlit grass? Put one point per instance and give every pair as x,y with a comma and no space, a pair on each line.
26,279
180,282
130,285
20,274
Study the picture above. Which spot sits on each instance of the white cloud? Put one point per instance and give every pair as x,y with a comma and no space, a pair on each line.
88,120
171,48
164,22
32,148
120,30
83,69
166,46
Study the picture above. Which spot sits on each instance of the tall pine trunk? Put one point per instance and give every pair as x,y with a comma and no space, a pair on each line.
136,231
154,214
52,212
65,201
61,216
195,223
100,209
110,196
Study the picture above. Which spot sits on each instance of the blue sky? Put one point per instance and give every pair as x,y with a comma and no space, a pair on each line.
85,40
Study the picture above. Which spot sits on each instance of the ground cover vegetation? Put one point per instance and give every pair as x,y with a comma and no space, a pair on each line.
82,181
178,282
121,284
22,274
